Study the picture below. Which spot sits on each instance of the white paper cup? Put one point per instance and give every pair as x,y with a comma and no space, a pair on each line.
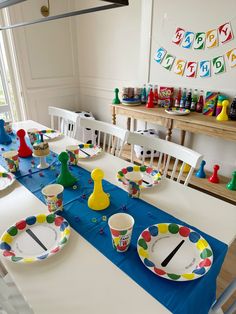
12,160
121,227
53,194
73,152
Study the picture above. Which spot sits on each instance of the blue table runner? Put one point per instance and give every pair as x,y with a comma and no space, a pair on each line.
190,297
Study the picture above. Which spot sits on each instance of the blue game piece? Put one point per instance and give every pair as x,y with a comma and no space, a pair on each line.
201,173
4,137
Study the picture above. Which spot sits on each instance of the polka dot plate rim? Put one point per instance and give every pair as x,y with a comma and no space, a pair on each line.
89,151
180,247
178,111
147,174
51,135
6,179
43,234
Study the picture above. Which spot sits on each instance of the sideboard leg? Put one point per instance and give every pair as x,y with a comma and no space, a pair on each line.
182,137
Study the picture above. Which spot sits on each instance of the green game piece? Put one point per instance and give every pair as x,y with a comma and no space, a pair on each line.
65,178
232,184
116,100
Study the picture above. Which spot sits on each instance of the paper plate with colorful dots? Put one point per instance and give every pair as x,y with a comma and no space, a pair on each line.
177,111
6,179
148,175
89,151
49,134
35,238
174,252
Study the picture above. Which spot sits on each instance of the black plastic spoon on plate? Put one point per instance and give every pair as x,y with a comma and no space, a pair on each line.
36,239
171,255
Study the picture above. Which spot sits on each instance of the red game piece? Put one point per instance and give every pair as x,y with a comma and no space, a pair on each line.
23,150
214,178
150,103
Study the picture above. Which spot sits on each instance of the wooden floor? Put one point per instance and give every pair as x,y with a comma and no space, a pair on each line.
228,270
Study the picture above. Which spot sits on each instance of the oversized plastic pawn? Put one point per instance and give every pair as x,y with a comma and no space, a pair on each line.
201,173
232,184
116,100
214,178
150,103
98,200
223,114
65,178
23,150
4,137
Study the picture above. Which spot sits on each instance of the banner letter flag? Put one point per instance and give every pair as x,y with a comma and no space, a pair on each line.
179,66
188,40
191,69
199,41
225,33
231,55
168,61
218,64
178,36
205,68
160,53
211,38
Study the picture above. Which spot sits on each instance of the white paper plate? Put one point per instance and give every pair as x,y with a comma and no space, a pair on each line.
6,179
35,238
174,252
87,151
50,136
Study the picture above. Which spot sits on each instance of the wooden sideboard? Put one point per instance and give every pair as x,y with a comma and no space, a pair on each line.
194,123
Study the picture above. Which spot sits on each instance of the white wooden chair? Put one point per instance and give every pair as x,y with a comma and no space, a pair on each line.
110,137
167,151
5,112
65,121
216,307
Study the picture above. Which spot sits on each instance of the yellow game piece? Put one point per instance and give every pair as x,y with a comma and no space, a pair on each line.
98,200
187,168
223,115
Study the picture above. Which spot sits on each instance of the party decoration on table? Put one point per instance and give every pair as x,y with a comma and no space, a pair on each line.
73,152
178,36
205,68
199,41
12,160
121,227
98,200
35,238
41,150
168,61
201,173
210,103
179,67
191,69
4,137
177,111
134,187
188,40
223,116
225,33
214,177
174,252
218,64
148,175
6,179
116,100
231,56
89,151
53,194
232,183
160,54
23,150
65,178
150,102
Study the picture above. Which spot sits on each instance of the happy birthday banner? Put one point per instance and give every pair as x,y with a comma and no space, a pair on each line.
200,40
191,69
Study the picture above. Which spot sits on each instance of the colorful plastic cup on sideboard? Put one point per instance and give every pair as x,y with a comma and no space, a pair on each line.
53,194
33,135
121,227
73,152
12,160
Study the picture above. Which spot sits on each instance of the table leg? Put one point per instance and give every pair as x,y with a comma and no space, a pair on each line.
113,115
182,137
128,123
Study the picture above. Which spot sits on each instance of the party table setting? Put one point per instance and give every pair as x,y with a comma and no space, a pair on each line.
112,233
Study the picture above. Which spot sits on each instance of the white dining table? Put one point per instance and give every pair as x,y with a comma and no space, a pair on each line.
80,279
